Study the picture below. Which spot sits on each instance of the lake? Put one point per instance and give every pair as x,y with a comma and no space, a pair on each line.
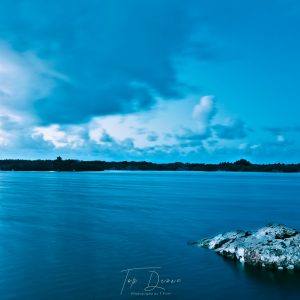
76,235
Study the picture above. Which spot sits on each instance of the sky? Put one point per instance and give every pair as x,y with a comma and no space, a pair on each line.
150,80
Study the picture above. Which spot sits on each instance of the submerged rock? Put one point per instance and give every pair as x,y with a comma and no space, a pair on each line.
273,246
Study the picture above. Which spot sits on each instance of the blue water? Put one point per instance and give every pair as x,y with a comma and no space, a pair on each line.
69,235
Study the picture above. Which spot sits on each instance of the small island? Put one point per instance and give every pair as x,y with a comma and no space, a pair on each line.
274,246
60,164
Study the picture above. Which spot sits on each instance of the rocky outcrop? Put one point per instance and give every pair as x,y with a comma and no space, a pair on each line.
274,246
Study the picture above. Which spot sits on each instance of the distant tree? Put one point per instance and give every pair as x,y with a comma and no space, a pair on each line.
242,162
59,164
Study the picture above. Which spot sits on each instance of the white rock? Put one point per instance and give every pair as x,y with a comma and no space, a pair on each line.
273,246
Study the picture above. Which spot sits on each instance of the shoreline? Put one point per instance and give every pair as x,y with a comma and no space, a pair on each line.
71,165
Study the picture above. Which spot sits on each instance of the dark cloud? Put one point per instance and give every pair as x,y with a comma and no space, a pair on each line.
190,138
235,130
152,137
283,129
118,55
106,138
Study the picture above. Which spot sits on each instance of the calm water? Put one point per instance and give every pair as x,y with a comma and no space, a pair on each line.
69,235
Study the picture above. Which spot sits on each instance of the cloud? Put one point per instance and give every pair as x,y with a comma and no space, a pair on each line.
283,129
280,138
118,56
106,138
234,129
16,136
152,137
204,112
24,78
284,134
71,137
134,136
190,138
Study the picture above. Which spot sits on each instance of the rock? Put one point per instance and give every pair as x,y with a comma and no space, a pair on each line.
274,246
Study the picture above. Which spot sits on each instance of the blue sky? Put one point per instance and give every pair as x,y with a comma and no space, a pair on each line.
167,80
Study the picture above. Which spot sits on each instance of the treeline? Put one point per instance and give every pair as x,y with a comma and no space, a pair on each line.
50,165
59,164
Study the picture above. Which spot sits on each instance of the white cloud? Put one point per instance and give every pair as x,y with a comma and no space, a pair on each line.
280,138
70,137
242,146
4,138
24,78
204,112
134,127
255,146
